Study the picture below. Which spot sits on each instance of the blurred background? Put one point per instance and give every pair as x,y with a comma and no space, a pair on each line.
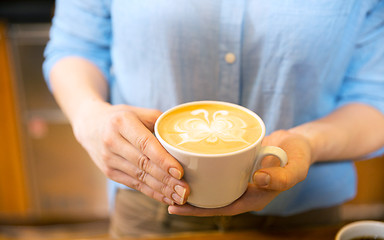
49,188
46,177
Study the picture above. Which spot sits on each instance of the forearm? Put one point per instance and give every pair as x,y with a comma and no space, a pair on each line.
77,84
118,138
348,133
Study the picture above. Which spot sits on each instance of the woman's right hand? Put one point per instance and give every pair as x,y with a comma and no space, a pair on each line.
120,141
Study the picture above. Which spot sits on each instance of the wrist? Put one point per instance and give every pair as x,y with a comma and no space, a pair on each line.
313,138
87,111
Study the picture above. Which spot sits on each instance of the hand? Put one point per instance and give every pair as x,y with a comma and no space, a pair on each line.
119,139
269,181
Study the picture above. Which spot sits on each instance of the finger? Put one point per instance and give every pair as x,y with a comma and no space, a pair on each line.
254,199
174,192
143,140
282,178
189,210
274,179
147,116
142,168
270,161
121,177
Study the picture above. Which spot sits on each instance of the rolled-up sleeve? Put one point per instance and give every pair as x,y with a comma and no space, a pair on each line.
364,81
80,28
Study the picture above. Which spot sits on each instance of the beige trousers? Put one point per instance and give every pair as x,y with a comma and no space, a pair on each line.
136,215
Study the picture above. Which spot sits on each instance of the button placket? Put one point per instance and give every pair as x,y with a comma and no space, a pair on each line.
232,15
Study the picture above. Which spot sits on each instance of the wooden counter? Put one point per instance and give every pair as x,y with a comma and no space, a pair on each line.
319,233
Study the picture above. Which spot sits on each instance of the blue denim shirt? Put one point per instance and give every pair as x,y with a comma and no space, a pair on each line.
290,61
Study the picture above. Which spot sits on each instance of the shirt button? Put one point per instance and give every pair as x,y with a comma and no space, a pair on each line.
230,58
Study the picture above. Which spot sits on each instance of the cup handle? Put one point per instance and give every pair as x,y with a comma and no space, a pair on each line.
269,151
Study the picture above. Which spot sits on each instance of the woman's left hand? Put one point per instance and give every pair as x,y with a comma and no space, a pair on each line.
268,181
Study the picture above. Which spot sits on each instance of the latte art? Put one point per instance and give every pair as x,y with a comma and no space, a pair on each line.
200,128
209,128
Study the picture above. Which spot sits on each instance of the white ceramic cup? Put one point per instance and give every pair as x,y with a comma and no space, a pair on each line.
217,180
366,228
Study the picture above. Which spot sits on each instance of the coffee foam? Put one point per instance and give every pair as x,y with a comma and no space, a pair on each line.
209,128
202,127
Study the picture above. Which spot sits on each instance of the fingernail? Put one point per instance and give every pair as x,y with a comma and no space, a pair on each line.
261,179
170,210
180,191
168,201
175,173
179,200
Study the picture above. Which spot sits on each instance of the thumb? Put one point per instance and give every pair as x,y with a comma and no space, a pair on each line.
147,116
278,178
274,178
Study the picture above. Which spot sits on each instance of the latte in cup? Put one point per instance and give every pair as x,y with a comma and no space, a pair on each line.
218,144
209,128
